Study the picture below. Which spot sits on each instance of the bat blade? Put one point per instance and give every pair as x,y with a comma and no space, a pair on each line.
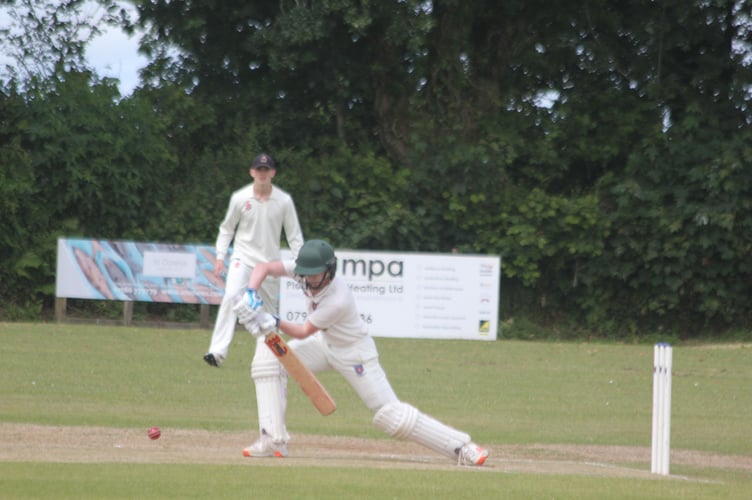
302,375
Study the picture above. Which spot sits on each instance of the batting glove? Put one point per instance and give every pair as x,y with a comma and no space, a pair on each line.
247,307
253,328
253,299
267,323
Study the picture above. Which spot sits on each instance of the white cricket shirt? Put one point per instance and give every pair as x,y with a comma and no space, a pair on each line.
333,311
257,226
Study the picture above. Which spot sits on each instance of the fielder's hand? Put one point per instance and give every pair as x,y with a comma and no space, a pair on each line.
247,307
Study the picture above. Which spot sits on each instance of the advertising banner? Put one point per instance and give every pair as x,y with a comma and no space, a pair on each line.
409,295
414,295
137,271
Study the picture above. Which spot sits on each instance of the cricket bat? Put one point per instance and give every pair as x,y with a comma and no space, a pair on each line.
302,375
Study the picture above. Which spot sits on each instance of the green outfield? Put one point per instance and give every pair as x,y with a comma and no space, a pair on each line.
562,420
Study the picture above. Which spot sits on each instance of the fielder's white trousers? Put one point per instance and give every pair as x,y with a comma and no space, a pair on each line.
236,283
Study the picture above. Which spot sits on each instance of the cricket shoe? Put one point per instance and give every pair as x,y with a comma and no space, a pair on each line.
213,359
471,454
265,447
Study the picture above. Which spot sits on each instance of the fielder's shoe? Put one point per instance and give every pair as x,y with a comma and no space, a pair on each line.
213,359
471,454
265,447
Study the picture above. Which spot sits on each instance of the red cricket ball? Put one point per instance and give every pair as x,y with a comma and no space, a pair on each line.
154,433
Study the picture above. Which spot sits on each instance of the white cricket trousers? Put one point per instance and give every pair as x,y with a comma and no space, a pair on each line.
358,363
238,275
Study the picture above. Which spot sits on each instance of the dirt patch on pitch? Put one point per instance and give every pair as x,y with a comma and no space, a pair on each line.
39,443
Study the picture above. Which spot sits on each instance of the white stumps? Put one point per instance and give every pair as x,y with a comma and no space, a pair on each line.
659,463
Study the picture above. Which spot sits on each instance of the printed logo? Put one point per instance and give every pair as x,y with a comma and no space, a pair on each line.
392,270
484,326
486,269
359,370
275,343
248,206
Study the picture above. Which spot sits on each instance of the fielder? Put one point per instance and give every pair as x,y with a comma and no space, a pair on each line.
334,337
255,217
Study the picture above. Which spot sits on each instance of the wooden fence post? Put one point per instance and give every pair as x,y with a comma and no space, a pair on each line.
204,322
60,305
127,313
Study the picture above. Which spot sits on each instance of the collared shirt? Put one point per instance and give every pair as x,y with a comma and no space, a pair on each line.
333,311
256,226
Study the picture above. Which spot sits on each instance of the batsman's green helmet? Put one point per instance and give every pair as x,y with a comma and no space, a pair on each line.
315,257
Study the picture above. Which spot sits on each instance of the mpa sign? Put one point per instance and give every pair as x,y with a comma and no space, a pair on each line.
415,295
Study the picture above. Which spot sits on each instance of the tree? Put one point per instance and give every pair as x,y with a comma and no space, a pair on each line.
585,142
45,40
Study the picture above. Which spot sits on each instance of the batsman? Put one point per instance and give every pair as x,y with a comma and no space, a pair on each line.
334,337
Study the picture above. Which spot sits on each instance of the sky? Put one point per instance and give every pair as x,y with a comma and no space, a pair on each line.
112,54
115,55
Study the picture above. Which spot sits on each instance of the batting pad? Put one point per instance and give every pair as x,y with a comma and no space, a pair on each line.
271,396
404,421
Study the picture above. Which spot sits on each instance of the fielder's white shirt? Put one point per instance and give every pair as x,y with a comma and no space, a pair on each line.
256,226
333,311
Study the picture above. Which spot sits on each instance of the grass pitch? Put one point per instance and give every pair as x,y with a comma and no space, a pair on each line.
508,395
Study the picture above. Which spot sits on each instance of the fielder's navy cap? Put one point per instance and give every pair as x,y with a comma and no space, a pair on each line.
263,161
